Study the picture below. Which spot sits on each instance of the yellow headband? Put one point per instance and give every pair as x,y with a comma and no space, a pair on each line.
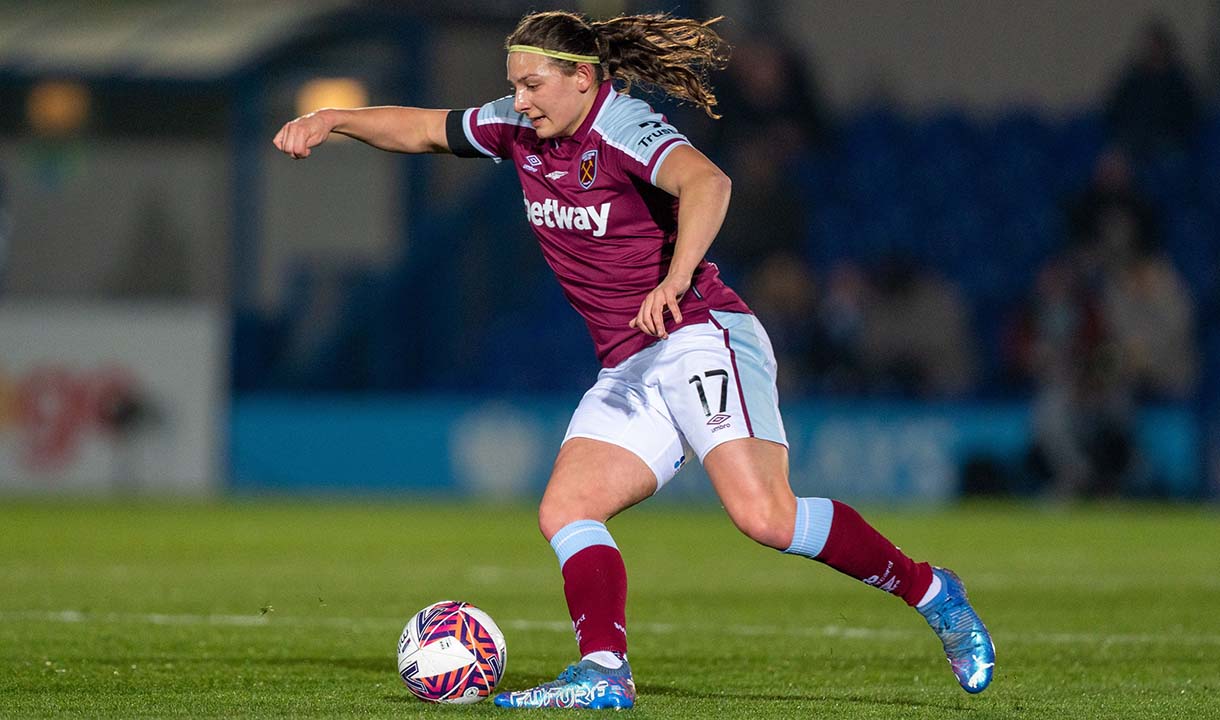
570,57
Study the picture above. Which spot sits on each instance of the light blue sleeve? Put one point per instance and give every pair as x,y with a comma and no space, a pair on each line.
644,137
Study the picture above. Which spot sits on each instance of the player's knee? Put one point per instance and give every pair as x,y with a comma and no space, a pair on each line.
550,519
553,515
768,523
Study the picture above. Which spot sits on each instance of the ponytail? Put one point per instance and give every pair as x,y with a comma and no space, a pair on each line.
658,50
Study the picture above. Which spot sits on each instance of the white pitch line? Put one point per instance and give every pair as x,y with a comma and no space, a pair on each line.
829,631
76,616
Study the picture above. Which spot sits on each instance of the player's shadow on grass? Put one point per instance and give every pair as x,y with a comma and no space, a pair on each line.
645,691
664,690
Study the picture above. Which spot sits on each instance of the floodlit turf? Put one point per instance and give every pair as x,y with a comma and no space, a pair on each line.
280,609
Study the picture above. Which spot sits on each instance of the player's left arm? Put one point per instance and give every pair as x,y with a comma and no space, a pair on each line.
703,192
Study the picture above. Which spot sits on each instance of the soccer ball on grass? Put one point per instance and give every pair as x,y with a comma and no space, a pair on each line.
451,652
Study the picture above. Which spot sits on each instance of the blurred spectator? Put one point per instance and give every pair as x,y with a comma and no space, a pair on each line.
769,94
1144,304
1152,317
1082,412
915,335
1111,324
1153,108
773,117
815,332
835,364
1112,188
783,293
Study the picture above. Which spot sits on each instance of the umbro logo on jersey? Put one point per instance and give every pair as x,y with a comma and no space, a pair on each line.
565,217
533,161
556,174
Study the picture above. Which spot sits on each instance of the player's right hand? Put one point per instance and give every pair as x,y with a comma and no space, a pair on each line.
298,136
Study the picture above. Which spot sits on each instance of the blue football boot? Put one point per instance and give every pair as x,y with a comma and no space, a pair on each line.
583,685
968,645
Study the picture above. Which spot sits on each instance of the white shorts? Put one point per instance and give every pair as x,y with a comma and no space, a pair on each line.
705,385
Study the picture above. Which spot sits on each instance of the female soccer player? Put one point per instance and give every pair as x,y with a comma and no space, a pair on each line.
625,209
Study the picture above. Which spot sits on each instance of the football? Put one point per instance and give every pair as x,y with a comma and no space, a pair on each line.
451,652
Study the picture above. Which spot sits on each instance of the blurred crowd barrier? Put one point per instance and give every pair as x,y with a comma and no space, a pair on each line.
878,452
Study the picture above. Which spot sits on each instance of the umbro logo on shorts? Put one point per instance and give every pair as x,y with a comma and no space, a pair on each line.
718,418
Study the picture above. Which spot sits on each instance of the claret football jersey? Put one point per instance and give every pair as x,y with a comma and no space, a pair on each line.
605,229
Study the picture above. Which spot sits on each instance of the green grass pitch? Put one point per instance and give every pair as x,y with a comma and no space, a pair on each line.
292,609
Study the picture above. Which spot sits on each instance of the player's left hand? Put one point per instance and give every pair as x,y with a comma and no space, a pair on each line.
664,299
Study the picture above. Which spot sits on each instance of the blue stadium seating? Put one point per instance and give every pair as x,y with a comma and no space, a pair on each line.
1192,239
1078,141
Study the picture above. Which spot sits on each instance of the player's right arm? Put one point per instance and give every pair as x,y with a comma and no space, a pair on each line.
397,129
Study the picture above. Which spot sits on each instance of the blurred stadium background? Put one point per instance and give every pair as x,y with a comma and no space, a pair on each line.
983,237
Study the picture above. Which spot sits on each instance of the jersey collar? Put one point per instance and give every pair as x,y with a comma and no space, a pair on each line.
599,103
